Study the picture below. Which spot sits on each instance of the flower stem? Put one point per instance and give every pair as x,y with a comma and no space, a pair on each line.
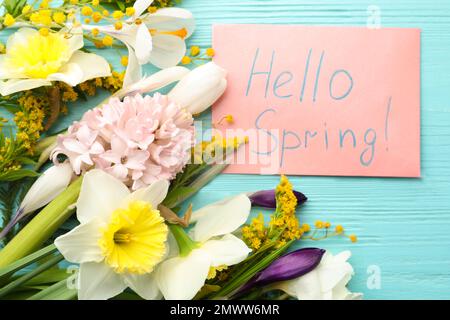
185,243
42,226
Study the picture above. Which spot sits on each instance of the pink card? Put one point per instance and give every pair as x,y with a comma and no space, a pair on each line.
321,100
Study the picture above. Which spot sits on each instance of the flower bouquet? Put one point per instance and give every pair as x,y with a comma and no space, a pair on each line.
101,209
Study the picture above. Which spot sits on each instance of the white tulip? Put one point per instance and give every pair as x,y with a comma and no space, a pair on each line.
154,82
33,60
120,240
328,281
200,88
182,277
49,185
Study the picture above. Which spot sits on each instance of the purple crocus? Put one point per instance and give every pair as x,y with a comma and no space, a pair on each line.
266,198
290,266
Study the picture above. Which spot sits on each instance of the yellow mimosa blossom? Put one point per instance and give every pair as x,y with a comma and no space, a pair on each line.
9,20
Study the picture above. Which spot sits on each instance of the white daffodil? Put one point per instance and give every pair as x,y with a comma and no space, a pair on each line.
200,88
33,60
120,240
158,38
182,277
328,281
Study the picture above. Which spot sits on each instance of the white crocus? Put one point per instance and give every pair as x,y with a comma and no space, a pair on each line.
158,38
200,88
33,60
120,240
47,187
328,281
182,277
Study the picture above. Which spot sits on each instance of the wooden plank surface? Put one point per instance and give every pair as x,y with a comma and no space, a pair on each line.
403,224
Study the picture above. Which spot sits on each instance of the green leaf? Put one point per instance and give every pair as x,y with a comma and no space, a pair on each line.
26,160
25,261
18,174
121,5
10,287
58,291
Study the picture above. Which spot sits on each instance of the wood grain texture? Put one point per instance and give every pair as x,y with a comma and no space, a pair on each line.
403,224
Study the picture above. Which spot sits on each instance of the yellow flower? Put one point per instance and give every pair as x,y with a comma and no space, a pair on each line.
95,32
117,14
339,229
96,16
124,61
210,52
195,50
319,224
95,2
42,56
59,17
86,11
118,25
108,41
129,11
44,32
26,9
9,20
186,60
353,238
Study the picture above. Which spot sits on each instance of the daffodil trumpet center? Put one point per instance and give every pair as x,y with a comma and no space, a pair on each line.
182,33
38,56
135,239
185,243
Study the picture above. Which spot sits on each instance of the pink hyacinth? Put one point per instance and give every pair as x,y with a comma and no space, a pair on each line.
138,140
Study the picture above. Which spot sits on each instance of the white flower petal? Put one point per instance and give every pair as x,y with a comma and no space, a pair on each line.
140,6
50,184
167,50
334,272
228,250
20,36
154,194
70,73
16,85
200,87
133,72
205,101
181,278
75,38
98,282
100,195
171,19
154,82
306,287
144,285
81,243
143,44
92,65
6,72
221,217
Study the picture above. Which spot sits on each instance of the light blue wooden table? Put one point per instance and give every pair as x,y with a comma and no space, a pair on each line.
403,225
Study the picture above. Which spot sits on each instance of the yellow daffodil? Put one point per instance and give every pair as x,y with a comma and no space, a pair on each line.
120,240
34,59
